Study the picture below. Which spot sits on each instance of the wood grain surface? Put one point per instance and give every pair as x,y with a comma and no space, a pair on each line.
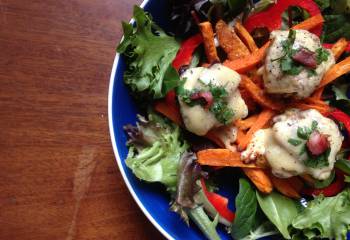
58,176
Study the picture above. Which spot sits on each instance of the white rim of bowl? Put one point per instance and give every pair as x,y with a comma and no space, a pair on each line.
115,149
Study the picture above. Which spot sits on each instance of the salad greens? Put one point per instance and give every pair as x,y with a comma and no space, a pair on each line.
149,72
279,209
160,153
155,150
336,15
183,22
246,207
324,217
264,230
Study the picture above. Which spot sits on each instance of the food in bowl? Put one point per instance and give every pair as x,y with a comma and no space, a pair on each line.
259,88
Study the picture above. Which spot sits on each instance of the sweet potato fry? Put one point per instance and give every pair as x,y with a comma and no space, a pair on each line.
304,106
317,95
335,71
222,158
258,94
260,179
209,44
245,64
246,37
230,42
249,101
263,118
211,135
310,23
247,123
339,47
287,186
240,135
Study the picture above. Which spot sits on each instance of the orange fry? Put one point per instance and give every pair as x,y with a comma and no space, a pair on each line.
339,47
247,63
208,40
260,179
263,118
230,42
310,23
287,186
247,123
246,37
304,106
335,71
258,94
222,158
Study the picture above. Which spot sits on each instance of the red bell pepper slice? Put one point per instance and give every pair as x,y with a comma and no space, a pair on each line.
272,17
219,203
185,53
330,191
330,45
341,117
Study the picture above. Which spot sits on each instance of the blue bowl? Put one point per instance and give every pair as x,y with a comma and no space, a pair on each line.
152,198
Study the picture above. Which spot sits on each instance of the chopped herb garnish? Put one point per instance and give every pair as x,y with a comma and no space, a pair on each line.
318,161
219,108
321,55
304,134
314,125
293,61
295,142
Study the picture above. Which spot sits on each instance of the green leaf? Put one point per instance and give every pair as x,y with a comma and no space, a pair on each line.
200,218
264,230
279,209
158,160
344,165
323,4
347,179
340,6
335,27
321,55
246,207
340,91
304,132
325,183
325,217
295,142
148,53
318,161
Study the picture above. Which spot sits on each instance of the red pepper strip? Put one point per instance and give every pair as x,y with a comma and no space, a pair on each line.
330,45
341,117
219,203
185,53
332,190
272,17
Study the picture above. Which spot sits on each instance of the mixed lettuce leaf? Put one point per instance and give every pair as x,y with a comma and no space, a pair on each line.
155,149
325,217
148,52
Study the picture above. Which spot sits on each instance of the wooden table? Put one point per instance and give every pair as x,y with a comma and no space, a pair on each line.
58,176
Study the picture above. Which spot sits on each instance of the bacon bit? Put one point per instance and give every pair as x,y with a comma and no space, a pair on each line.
205,96
306,58
317,143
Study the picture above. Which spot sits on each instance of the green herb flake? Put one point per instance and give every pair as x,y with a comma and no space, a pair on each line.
347,179
318,161
295,142
314,125
304,132
221,111
321,55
